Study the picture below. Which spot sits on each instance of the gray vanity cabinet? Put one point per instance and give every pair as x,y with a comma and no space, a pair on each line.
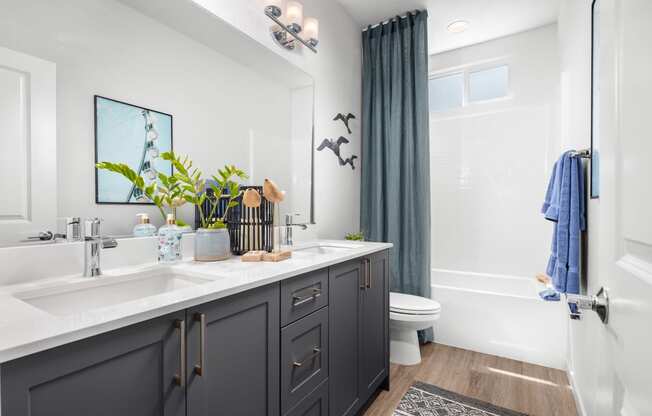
132,371
313,345
359,332
233,355
374,362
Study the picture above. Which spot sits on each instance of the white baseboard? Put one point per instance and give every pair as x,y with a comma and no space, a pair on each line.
579,404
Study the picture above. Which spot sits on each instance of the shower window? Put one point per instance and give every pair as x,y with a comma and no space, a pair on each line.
470,86
488,84
446,92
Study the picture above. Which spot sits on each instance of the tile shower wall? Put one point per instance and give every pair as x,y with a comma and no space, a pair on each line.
490,162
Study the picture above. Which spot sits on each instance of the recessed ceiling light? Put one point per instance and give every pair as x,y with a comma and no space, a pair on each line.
458,26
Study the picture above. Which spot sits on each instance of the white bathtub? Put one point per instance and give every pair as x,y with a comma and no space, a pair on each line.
500,315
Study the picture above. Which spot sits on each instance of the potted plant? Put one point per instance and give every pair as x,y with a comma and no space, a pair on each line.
186,185
359,236
212,238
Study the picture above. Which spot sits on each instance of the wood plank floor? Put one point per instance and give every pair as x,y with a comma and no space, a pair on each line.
527,388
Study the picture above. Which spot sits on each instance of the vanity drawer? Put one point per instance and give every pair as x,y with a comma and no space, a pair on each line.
304,357
316,404
303,295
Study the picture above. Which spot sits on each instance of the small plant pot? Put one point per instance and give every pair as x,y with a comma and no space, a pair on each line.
212,245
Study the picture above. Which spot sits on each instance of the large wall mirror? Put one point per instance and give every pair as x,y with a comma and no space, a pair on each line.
232,100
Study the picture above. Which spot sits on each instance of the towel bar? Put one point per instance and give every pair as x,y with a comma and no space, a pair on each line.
598,303
583,154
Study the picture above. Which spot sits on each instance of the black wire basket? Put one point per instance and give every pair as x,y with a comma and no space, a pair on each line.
249,228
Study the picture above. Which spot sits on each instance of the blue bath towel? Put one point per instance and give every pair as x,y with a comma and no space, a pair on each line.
564,205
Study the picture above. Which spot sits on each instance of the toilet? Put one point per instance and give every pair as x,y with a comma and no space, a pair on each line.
407,315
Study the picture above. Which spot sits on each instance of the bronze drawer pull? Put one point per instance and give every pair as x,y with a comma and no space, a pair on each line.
298,300
315,353
200,369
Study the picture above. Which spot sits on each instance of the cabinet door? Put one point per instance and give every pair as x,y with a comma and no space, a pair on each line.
233,362
345,283
374,338
128,372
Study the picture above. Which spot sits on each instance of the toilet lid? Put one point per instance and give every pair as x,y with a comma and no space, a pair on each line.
410,304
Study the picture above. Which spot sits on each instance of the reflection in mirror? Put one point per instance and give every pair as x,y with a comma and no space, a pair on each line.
233,101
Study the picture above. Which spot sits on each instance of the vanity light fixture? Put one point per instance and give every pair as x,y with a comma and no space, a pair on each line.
293,24
458,26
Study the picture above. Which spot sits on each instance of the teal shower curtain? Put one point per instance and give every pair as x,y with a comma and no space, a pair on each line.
395,204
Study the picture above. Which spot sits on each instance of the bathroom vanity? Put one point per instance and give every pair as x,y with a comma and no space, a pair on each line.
308,336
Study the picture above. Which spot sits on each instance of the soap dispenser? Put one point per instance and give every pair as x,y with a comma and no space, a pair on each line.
169,241
143,227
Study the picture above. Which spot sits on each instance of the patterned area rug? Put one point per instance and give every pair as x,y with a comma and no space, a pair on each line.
427,400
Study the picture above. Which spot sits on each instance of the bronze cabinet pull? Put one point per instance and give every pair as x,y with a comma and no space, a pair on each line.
316,351
298,300
200,369
180,378
368,273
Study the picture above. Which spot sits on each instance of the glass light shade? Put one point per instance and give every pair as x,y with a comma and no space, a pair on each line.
294,15
311,29
274,7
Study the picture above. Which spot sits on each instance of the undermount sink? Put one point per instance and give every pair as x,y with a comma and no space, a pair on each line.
327,248
69,299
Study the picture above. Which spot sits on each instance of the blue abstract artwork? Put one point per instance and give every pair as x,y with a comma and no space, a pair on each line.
136,136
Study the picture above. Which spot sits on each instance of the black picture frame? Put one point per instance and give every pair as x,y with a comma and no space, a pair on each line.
95,130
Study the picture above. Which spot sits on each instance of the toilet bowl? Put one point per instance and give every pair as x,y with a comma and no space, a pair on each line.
407,315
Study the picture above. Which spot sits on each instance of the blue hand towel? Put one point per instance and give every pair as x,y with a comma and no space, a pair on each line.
549,295
564,204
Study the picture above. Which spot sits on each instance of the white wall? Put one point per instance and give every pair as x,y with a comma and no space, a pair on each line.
104,47
337,73
490,165
575,64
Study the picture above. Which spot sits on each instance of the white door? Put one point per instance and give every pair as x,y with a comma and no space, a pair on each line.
28,151
625,232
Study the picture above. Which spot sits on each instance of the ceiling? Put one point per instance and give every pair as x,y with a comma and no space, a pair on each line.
488,19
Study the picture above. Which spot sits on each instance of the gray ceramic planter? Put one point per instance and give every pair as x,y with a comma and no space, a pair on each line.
212,245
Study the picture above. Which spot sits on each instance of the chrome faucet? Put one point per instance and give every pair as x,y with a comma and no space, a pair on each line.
289,223
93,245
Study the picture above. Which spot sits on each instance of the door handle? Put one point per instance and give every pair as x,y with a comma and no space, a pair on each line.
180,377
200,369
363,285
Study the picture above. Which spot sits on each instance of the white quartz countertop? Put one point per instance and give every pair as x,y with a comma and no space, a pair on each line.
26,329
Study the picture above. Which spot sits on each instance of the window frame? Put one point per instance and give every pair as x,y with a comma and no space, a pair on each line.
466,71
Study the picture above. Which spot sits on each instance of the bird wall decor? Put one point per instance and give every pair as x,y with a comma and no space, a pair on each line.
345,119
334,145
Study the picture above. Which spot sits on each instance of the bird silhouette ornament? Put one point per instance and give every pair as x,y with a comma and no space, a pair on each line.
345,119
334,146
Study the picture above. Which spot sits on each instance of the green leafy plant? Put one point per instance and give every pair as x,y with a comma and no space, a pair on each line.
189,179
184,185
359,236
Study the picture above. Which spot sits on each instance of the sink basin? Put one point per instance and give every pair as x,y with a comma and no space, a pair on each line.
326,248
69,299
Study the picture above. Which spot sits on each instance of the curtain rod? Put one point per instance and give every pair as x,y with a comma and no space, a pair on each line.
384,22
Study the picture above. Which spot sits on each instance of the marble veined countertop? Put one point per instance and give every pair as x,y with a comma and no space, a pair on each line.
26,329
